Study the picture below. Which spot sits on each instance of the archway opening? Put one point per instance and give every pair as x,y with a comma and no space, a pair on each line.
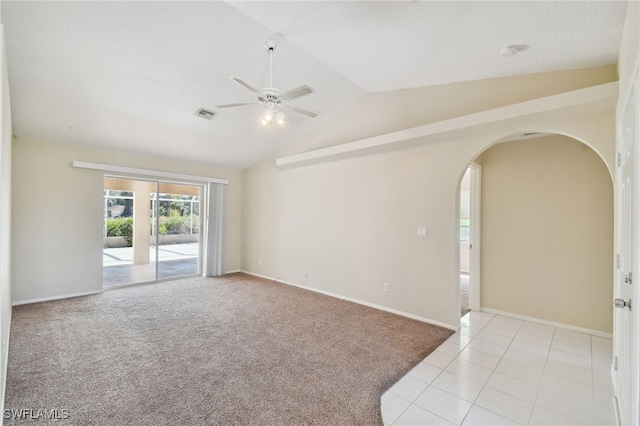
547,227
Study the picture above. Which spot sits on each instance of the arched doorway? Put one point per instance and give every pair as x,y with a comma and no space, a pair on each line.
547,226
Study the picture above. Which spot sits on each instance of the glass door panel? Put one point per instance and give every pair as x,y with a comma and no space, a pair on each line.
129,254
178,230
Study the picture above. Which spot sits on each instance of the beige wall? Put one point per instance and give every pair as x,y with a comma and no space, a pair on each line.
348,226
57,215
547,232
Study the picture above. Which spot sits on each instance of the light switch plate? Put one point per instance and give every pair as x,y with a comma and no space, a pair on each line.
423,231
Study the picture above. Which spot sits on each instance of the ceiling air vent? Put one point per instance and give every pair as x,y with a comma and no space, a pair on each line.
205,113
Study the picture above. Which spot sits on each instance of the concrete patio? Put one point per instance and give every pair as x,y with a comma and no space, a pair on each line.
173,261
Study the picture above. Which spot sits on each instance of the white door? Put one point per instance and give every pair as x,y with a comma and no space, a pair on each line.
474,255
625,365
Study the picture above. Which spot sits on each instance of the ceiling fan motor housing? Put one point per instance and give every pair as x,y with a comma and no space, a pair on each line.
270,95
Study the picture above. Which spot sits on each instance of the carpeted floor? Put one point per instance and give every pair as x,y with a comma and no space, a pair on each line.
228,350
464,294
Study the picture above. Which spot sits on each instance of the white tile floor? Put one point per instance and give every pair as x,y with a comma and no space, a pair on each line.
503,371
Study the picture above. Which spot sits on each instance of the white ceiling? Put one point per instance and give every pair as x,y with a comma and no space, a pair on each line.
130,75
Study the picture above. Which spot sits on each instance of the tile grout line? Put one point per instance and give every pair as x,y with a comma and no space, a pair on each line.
428,385
443,370
473,403
493,372
544,368
477,337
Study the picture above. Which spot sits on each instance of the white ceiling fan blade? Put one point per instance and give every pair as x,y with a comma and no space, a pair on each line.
237,104
306,112
243,83
297,92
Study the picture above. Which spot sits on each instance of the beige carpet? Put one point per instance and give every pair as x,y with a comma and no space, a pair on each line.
464,294
229,350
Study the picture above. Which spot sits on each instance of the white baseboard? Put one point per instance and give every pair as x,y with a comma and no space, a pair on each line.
551,323
47,299
359,302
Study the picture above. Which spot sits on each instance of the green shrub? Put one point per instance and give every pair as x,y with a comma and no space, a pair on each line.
174,224
121,227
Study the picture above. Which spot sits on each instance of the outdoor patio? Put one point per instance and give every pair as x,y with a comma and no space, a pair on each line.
174,260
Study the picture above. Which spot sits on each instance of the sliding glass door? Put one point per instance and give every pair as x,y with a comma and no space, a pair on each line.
151,231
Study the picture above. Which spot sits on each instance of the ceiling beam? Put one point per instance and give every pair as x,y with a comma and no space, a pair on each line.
580,101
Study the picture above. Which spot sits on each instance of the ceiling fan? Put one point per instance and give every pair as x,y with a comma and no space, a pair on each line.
272,97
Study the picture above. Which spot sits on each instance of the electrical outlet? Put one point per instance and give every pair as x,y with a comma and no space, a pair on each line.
259,261
385,287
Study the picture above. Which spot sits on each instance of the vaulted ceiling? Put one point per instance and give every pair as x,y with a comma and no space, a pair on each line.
131,75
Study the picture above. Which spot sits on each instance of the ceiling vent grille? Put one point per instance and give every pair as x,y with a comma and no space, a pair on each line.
205,113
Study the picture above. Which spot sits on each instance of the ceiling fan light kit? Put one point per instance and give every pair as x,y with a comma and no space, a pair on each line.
270,115
267,116
272,97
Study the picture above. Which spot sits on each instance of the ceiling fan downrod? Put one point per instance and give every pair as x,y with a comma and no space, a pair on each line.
270,45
